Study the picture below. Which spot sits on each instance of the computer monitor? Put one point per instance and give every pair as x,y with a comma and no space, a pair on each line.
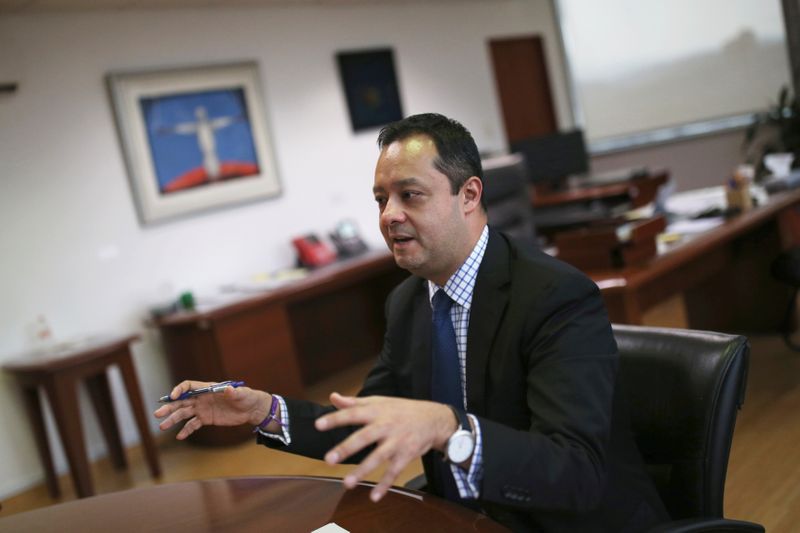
552,158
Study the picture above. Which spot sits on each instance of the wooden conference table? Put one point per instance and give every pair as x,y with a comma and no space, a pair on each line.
285,504
722,274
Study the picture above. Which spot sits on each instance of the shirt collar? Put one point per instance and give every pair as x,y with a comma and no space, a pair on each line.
461,284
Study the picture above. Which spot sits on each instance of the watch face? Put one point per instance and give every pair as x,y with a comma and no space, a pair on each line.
459,447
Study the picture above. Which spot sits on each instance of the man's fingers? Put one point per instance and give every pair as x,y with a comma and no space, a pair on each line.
353,444
379,455
394,469
351,411
187,385
342,402
188,428
353,416
180,388
182,413
169,408
400,430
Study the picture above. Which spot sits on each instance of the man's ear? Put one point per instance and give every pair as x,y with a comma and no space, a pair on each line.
473,190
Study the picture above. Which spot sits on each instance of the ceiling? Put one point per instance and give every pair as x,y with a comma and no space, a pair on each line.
41,6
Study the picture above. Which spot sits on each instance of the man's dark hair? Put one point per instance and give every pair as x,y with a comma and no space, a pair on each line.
458,155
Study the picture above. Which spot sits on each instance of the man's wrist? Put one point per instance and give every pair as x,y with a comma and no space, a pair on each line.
272,422
261,410
461,444
449,425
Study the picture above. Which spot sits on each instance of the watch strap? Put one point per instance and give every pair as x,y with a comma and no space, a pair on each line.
462,419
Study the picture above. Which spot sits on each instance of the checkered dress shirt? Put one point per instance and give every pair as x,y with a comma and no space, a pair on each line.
459,288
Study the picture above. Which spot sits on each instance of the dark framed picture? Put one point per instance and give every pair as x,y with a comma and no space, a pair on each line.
370,87
194,138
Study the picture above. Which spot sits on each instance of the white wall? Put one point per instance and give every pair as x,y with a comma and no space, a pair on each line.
72,247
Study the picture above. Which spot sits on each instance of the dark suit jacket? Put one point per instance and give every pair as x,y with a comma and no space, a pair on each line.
541,372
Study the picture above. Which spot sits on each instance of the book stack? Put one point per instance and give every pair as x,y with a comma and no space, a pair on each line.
610,246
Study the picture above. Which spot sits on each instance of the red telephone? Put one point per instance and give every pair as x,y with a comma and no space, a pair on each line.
312,252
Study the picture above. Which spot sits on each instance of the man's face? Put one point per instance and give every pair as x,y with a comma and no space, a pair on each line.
422,222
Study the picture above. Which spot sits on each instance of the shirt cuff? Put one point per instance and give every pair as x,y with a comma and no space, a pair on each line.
284,436
468,482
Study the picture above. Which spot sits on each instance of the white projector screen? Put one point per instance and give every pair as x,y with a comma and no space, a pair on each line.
651,70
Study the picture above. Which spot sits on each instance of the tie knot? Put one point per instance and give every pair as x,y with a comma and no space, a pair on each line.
441,303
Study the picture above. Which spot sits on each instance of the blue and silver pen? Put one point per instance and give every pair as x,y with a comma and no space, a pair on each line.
216,387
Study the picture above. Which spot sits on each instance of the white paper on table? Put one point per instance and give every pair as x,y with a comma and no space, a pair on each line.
690,203
330,528
694,226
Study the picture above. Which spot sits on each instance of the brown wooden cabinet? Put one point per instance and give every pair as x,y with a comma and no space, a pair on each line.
723,274
284,339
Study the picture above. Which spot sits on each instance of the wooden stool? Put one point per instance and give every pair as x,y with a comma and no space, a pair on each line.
58,372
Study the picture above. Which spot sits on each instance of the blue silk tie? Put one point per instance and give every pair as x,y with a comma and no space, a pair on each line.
445,376
445,367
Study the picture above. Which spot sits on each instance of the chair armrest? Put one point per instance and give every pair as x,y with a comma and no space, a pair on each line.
708,525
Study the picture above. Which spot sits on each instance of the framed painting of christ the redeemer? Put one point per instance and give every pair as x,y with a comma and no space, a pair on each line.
194,138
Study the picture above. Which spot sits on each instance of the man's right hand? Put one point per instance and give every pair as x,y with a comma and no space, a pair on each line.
232,407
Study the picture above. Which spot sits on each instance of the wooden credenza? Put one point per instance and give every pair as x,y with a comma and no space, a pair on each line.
723,275
639,191
284,339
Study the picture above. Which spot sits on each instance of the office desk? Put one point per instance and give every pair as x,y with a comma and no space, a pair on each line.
571,207
723,274
639,191
285,504
284,339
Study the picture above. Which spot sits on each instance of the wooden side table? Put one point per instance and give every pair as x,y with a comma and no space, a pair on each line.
58,372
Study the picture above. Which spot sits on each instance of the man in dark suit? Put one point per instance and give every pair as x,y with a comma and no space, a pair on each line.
498,366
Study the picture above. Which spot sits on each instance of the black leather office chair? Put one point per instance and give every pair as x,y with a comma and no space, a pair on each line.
786,268
507,195
684,389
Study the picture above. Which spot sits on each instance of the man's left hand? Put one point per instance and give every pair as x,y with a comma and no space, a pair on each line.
402,430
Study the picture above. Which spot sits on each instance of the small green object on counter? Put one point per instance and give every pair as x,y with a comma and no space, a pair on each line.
186,300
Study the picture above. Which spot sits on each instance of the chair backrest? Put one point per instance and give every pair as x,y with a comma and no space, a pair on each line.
684,388
507,196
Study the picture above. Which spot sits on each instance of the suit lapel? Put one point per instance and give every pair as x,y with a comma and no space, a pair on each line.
489,301
420,344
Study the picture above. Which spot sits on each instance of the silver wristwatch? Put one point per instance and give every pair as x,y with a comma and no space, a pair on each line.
461,444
